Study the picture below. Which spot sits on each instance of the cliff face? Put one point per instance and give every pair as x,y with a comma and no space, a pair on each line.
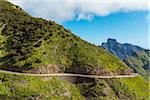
135,57
36,45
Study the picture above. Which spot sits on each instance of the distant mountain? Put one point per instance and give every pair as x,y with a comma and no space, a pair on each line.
134,56
123,51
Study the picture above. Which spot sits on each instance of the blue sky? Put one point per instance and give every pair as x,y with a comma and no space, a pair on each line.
97,20
131,27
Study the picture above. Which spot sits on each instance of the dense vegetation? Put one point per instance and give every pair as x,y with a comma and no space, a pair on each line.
28,87
31,88
116,89
139,62
28,43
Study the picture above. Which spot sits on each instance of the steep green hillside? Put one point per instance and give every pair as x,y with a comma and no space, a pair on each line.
14,87
31,88
116,89
36,45
139,62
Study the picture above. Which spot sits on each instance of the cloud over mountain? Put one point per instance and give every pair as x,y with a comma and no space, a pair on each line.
65,10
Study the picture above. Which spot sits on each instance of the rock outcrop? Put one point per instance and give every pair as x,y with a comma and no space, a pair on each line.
98,71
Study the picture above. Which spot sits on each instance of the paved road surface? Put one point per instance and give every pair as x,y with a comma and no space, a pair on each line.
70,75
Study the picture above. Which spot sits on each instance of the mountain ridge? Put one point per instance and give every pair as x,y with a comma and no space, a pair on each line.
126,47
134,56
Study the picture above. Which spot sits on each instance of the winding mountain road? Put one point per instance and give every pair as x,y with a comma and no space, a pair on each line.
69,75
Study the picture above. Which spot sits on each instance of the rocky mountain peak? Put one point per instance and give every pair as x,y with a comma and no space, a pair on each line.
121,50
111,41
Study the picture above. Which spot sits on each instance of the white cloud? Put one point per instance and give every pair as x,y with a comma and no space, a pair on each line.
65,10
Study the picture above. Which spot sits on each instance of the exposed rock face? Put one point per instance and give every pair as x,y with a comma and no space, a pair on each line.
98,71
50,68
47,69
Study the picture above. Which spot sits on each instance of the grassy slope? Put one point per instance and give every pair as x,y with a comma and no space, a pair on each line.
17,87
116,89
138,61
29,42
25,87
